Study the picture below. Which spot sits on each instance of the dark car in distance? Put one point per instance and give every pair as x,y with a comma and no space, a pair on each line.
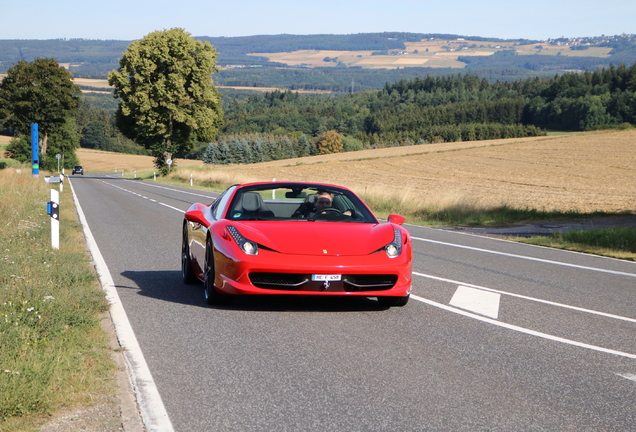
77,169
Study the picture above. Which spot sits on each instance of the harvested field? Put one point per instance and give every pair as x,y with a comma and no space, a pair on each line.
101,161
584,172
100,83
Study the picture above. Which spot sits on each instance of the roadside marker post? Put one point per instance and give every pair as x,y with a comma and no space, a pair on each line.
53,210
35,150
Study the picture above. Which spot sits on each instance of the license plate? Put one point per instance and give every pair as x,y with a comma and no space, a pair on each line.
319,277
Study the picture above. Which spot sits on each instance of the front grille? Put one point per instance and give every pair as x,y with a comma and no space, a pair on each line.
278,280
369,282
303,282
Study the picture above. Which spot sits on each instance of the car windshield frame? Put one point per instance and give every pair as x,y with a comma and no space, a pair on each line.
291,202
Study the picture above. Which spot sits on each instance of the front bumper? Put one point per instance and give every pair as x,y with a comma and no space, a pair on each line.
273,273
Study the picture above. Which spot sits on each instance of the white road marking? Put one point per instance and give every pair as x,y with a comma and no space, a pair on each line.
144,197
487,308
551,303
522,330
628,376
171,189
476,300
527,258
151,407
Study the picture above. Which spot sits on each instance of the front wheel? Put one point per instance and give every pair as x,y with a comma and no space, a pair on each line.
394,301
212,296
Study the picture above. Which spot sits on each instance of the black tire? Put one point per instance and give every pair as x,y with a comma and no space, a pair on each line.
187,274
394,301
212,296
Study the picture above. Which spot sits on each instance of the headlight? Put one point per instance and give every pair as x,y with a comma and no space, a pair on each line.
247,246
394,249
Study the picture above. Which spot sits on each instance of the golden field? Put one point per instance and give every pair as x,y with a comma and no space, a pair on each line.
584,172
435,53
101,161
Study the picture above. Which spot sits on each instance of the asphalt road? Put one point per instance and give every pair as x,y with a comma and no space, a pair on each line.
498,336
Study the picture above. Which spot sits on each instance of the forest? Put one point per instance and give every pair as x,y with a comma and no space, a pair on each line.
279,125
462,107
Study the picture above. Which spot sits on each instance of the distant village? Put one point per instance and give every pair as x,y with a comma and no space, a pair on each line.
594,40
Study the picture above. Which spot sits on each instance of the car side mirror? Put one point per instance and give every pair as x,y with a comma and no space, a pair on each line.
396,219
196,216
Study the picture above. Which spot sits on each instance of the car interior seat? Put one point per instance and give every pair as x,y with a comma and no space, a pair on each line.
252,205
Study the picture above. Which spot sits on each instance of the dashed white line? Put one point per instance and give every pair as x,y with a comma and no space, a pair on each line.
144,197
170,189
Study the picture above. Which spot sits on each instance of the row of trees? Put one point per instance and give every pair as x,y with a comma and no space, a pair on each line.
585,101
251,148
167,101
40,92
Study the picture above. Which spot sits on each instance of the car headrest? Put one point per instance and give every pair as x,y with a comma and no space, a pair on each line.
251,201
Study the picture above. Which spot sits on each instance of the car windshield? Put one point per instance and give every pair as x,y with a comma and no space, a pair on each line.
298,203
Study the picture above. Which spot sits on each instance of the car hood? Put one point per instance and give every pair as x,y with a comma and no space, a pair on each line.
318,238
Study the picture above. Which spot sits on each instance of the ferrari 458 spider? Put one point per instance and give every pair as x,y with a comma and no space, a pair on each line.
295,238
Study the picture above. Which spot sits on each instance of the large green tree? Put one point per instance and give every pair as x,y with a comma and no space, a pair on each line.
168,101
39,92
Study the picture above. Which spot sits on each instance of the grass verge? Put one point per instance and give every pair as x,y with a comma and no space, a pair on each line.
617,242
54,355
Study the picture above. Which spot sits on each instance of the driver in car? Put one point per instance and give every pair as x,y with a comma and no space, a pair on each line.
323,201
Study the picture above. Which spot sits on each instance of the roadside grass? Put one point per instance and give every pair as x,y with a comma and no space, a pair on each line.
55,355
616,242
203,177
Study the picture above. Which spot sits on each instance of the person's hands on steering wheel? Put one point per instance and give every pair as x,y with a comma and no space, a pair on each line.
326,211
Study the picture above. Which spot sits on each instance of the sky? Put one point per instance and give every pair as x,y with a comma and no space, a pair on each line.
133,19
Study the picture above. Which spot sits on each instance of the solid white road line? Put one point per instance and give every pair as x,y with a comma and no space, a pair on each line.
551,303
628,376
596,269
521,329
151,407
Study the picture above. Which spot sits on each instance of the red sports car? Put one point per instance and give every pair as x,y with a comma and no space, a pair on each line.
295,238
